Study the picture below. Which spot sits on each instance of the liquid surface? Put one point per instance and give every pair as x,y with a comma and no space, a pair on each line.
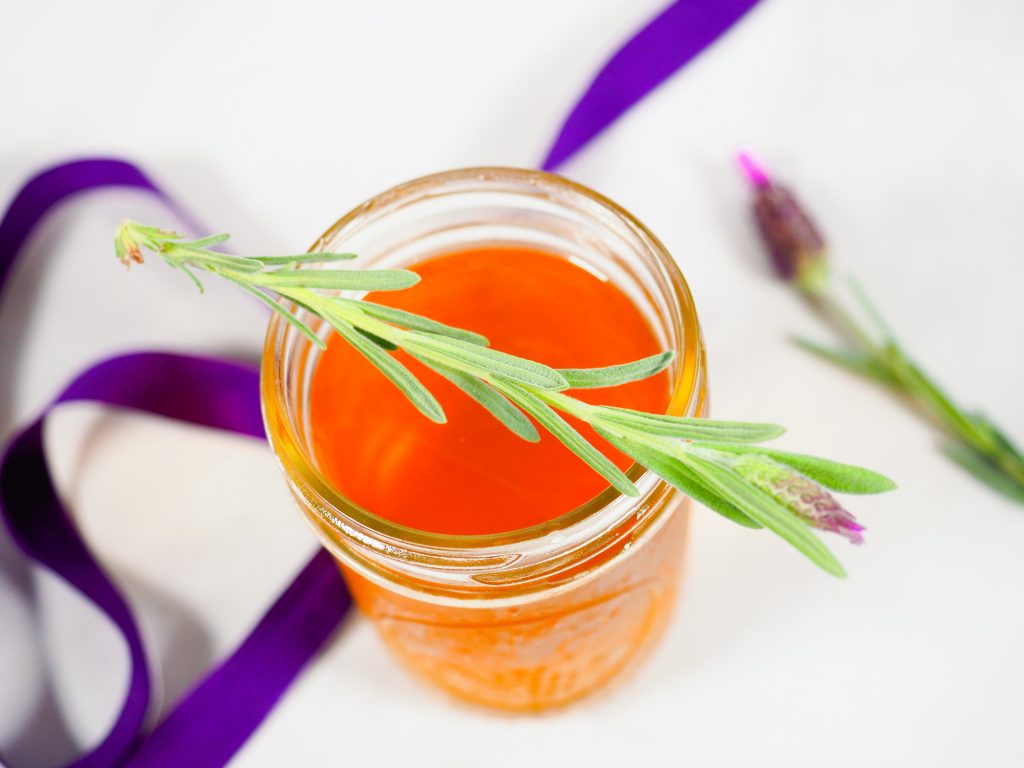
471,475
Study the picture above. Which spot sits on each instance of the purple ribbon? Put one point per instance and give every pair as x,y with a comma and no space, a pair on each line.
216,717
212,721
670,41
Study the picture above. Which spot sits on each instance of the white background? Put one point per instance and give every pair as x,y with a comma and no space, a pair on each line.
899,120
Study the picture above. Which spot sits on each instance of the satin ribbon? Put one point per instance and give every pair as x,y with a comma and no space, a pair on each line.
216,717
670,41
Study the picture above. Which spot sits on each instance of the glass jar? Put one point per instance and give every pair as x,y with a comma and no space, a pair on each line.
532,618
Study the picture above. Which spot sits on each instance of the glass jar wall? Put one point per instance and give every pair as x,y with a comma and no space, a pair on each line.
526,619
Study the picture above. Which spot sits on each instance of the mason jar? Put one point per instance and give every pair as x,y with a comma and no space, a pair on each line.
526,619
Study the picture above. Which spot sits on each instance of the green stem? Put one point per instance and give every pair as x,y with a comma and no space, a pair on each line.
511,388
828,306
919,388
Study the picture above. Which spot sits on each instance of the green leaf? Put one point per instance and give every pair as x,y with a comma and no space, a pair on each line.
493,401
997,438
414,322
869,308
382,343
983,470
482,361
919,385
339,279
857,362
191,276
845,478
674,472
213,259
614,375
569,437
400,376
767,511
206,242
303,258
281,309
685,427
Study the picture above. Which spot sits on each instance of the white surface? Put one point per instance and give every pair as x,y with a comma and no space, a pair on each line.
900,121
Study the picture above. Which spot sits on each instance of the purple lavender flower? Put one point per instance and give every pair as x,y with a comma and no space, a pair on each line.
805,498
796,247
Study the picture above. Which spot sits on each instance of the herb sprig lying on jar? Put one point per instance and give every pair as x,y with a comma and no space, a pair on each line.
712,461
800,257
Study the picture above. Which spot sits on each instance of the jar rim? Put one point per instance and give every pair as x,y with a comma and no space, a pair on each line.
356,521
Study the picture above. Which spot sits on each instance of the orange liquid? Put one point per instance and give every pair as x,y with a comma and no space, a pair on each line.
472,475
541,643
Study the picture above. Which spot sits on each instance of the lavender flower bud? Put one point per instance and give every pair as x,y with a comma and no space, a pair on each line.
805,498
794,243
127,249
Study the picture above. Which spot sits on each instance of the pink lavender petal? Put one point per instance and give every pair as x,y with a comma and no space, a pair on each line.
853,534
752,170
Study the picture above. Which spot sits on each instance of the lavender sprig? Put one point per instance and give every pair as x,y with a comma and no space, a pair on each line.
799,255
712,461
